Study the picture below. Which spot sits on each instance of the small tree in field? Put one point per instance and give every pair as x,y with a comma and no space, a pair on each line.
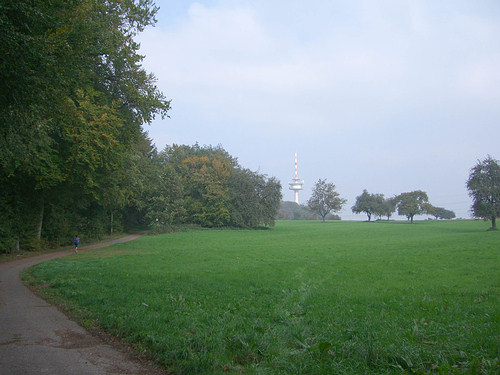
413,203
366,203
325,199
484,188
443,213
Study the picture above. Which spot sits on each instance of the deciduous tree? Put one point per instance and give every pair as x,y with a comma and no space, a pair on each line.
413,203
484,188
325,199
216,190
443,213
369,204
73,97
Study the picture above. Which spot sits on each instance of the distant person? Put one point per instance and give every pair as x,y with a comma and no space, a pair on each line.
77,241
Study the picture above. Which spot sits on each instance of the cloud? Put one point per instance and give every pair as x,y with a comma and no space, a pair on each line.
401,88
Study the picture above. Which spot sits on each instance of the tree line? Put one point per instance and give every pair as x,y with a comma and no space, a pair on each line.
73,97
205,186
73,156
325,199
75,160
483,185
294,211
407,204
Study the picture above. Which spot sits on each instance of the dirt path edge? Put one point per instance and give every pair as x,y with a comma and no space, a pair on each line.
37,338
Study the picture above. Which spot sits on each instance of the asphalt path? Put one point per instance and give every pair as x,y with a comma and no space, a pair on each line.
37,338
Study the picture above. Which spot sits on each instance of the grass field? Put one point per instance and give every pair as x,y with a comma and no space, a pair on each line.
302,298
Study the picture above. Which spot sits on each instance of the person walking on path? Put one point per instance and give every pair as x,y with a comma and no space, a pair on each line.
36,338
77,241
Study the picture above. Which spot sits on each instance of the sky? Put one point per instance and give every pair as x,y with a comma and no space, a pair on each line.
390,96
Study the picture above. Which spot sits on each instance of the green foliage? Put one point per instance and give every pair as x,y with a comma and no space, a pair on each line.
18,215
206,186
331,216
484,188
255,199
294,211
165,205
413,203
206,180
300,298
73,97
269,198
443,213
325,199
370,204
388,207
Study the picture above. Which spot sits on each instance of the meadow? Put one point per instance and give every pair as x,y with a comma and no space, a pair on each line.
301,298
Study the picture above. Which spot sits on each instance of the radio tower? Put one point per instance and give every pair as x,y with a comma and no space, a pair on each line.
296,184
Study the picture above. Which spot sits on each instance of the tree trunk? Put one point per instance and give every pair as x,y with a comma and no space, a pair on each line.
111,226
493,222
40,221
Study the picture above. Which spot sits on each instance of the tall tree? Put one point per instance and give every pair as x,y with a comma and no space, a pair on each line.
484,188
73,97
413,203
325,199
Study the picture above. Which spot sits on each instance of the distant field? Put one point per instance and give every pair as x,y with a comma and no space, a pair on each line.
301,298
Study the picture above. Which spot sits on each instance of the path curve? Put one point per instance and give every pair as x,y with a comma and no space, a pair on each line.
36,338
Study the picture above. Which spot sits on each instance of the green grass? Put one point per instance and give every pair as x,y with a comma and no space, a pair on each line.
302,298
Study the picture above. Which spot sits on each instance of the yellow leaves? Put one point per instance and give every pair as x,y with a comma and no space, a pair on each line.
222,168
195,161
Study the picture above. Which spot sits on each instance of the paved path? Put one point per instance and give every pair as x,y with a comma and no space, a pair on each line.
36,338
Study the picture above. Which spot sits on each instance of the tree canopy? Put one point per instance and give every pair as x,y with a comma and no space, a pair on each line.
325,199
294,211
206,186
413,203
443,213
374,204
484,188
73,155
388,207
73,97
369,204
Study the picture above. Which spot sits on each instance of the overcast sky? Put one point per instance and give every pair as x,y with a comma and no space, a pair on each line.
388,96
